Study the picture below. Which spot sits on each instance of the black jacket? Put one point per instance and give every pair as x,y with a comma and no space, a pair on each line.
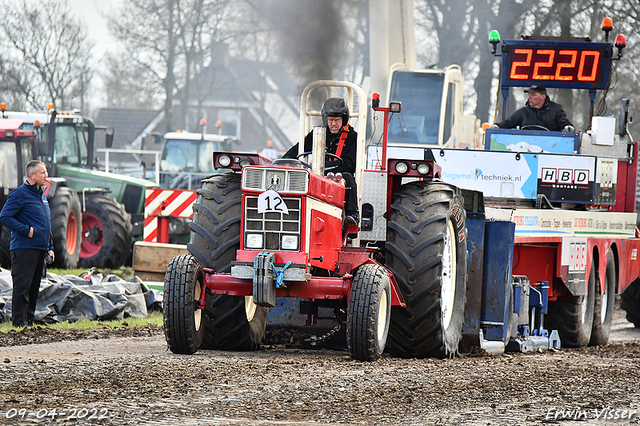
348,150
550,115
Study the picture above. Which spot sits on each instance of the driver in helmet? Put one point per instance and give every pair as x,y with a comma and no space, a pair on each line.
342,142
539,111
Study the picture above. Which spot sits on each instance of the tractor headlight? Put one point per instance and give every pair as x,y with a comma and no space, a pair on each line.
402,167
224,160
423,168
289,242
254,241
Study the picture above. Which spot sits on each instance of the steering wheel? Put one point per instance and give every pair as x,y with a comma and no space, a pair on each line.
533,127
326,154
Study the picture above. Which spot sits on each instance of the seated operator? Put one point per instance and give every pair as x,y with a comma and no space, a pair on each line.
342,141
539,111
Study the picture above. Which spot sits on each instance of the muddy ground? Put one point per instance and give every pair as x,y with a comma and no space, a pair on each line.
127,377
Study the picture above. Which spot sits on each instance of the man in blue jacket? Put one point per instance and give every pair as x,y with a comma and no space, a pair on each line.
27,214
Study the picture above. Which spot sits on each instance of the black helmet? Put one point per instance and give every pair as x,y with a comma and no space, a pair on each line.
335,107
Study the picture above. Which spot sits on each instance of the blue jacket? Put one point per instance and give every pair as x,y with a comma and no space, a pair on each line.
27,207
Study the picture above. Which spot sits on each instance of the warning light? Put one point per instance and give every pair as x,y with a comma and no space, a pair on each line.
607,26
494,39
620,44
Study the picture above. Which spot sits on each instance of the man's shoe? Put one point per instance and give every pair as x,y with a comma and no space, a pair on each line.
349,220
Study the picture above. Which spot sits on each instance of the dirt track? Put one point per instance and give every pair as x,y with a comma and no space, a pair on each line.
128,377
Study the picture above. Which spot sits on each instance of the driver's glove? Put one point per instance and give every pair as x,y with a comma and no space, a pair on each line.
495,126
569,128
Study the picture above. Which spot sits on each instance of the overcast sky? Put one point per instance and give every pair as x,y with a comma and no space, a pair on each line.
93,14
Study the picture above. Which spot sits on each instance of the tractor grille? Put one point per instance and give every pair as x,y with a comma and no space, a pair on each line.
279,180
272,230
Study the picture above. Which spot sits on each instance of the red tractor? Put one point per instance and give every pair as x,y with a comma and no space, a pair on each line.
274,229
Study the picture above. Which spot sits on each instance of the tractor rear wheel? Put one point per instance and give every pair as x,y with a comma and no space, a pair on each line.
107,233
630,302
182,319
369,312
573,318
427,252
230,322
603,308
66,227
5,243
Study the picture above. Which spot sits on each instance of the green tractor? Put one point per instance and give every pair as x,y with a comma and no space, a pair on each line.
96,215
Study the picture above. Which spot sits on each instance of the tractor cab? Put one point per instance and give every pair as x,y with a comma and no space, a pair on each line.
17,147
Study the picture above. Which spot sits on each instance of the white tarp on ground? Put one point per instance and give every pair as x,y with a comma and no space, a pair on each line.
70,298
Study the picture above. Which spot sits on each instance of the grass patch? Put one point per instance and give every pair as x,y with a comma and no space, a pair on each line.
153,318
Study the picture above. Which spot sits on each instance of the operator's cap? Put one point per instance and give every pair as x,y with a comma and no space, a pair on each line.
537,88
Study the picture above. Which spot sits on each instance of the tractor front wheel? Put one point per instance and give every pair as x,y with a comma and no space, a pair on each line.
369,312
182,319
66,227
427,252
603,308
230,322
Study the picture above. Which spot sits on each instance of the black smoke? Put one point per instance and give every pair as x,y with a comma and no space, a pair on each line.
309,36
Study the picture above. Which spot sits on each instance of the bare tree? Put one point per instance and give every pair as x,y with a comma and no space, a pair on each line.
47,57
127,83
171,40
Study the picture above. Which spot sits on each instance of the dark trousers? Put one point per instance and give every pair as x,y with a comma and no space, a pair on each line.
27,266
350,194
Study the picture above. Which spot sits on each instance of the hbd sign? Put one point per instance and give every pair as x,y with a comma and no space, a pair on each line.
564,177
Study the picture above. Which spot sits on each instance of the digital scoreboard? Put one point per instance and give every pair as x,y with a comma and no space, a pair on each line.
563,64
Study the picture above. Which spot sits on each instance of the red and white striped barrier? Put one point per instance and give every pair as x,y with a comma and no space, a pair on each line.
159,205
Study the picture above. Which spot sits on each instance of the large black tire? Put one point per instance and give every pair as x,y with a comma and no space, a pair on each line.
369,312
66,226
603,307
427,252
182,320
630,302
573,318
107,233
5,243
230,322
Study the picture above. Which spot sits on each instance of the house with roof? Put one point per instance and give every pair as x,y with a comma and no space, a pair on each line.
253,102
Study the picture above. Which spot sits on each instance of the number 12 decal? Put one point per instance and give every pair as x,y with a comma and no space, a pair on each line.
271,201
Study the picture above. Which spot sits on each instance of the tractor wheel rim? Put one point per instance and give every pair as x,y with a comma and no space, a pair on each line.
382,316
197,313
250,307
72,233
90,223
604,301
448,276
